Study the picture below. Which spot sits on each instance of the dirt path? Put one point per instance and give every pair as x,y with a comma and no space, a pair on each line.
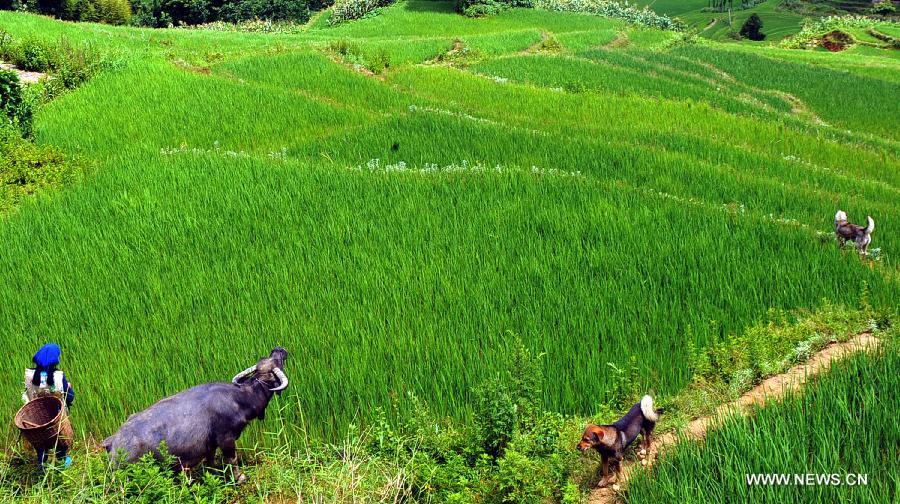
24,77
773,387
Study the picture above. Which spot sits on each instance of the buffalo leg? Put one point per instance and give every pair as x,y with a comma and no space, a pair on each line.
229,453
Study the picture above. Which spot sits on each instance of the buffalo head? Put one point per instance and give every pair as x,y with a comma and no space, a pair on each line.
269,371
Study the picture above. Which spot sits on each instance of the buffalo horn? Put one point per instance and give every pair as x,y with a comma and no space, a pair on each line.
243,374
282,380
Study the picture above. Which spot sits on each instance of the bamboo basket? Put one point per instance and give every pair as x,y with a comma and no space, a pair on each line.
44,423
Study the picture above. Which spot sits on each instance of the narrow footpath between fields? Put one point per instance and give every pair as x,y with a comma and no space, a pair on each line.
773,387
24,77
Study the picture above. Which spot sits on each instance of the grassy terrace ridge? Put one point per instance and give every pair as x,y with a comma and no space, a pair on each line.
777,21
780,18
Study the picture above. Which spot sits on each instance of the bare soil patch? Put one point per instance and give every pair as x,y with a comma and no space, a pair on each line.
836,41
24,76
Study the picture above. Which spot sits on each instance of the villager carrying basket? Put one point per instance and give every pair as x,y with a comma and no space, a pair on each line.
44,423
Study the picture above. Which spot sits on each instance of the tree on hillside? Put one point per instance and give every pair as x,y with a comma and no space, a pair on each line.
752,28
883,8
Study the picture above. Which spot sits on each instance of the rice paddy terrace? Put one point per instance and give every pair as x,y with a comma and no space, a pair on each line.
392,199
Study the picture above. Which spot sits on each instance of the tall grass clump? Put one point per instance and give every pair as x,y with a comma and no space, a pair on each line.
26,168
70,63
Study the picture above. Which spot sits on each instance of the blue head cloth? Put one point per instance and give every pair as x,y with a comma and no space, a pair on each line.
47,356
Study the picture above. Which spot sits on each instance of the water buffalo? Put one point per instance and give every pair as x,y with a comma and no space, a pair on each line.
195,422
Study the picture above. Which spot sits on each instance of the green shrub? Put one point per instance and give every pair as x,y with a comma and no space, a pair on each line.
346,10
481,8
234,11
15,107
624,385
883,8
34,55
495,416
69,64
612,9
26,168
379,62
509,401
114,12
751,29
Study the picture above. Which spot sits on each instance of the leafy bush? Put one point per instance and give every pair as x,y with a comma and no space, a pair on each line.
883,8
346,10
234,11
516,451
508,402
107,11
752,27
16,108
26,168
495,416
33,55
114,12
612,9
480,8
185,11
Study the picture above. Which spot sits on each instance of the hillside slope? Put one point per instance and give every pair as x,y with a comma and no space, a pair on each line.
391,198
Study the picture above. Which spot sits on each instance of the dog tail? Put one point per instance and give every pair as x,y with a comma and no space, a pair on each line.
871,226
647,409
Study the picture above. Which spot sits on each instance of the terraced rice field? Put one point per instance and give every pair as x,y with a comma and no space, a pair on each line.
394,198
778,22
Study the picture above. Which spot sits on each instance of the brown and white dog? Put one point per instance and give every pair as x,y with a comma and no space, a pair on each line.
612,440
861,236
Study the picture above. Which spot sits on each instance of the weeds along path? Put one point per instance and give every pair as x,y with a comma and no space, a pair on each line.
773,387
